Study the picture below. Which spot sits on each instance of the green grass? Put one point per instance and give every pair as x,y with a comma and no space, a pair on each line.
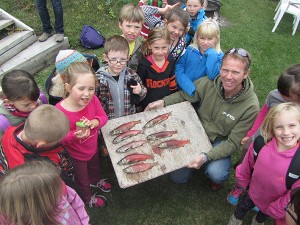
159,201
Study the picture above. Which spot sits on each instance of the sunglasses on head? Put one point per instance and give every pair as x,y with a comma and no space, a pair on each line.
242,52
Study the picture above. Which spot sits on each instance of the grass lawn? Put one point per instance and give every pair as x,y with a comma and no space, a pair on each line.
159,201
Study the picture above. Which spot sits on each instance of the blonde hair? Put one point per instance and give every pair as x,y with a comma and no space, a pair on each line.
132,13
116,43
30,194
267,128
155,34
74,70
209,28
46,123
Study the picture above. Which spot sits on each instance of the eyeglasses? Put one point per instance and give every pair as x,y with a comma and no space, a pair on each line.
290,212
115,61
242,52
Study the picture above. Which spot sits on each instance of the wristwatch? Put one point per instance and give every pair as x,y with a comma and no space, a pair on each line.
205,155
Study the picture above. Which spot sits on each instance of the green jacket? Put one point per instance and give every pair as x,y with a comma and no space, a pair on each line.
228,121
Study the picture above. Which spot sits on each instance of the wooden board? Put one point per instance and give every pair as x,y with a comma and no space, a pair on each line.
183,119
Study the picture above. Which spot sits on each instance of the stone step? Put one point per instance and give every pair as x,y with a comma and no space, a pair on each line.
6,23
35,57
15,43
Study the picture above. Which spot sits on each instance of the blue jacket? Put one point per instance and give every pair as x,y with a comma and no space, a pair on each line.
193,64
194,23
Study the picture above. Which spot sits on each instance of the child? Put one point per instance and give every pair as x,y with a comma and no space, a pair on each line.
33,193
120,87
176,22
21,95
292,215
197,15
202,58
156,68
131,20
86,117
158,3
288,90
44,128
266,184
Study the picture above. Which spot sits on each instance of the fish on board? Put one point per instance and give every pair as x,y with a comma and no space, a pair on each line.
124,127
139,167
169,144
126,135
130,146
157,120
161,134
134,158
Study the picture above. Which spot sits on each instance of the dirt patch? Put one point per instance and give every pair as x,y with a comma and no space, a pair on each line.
223,22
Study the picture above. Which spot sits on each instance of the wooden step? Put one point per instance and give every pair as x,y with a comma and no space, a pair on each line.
14,39
5,23
35,57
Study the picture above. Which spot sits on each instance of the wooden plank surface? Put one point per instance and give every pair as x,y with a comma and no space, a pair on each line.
5,23
183,119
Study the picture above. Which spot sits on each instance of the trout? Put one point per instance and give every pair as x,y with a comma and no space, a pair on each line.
134,158
157,120
124,127
126,135
140,167
170,144
162,134
130,146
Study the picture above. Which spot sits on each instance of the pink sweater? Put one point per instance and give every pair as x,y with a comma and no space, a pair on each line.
267,187
83,149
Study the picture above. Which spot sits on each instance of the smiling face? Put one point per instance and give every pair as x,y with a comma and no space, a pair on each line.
286,129
82,92
205,43
193,7
176,30
131,30
232,74
117,61
159,48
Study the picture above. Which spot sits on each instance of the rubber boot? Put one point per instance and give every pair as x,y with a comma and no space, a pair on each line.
254,221
234,221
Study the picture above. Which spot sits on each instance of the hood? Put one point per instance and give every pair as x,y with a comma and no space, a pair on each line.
246,93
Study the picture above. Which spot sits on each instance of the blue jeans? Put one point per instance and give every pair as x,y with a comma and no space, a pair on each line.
41,6
217,171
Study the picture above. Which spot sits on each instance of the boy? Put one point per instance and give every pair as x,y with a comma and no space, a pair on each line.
120,87
130,22
38,138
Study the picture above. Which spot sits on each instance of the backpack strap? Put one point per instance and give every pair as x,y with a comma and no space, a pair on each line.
257,146
293,172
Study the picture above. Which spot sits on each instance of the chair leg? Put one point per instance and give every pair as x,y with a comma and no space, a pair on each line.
277,21
296,25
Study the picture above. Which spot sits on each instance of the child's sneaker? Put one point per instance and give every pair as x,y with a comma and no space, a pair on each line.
102,185
97,201
234,195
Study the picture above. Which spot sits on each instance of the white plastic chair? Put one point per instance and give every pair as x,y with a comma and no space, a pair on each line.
291,7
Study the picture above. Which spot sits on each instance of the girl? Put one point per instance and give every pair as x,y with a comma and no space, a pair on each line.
156,68
86,117
20,95
197,16
176,21
203,57
33,193
267,184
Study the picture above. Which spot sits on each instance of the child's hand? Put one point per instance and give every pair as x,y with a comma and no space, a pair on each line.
82,134
155,105
167,8
136,89
244,140
90,123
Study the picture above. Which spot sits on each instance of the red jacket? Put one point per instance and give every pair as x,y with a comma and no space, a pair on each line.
14,152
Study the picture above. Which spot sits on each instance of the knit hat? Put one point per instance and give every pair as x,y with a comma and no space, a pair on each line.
65,58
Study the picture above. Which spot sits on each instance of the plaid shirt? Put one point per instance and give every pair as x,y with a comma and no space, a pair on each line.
104,93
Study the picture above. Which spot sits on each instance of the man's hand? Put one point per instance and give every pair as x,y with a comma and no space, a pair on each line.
155,105
198,162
